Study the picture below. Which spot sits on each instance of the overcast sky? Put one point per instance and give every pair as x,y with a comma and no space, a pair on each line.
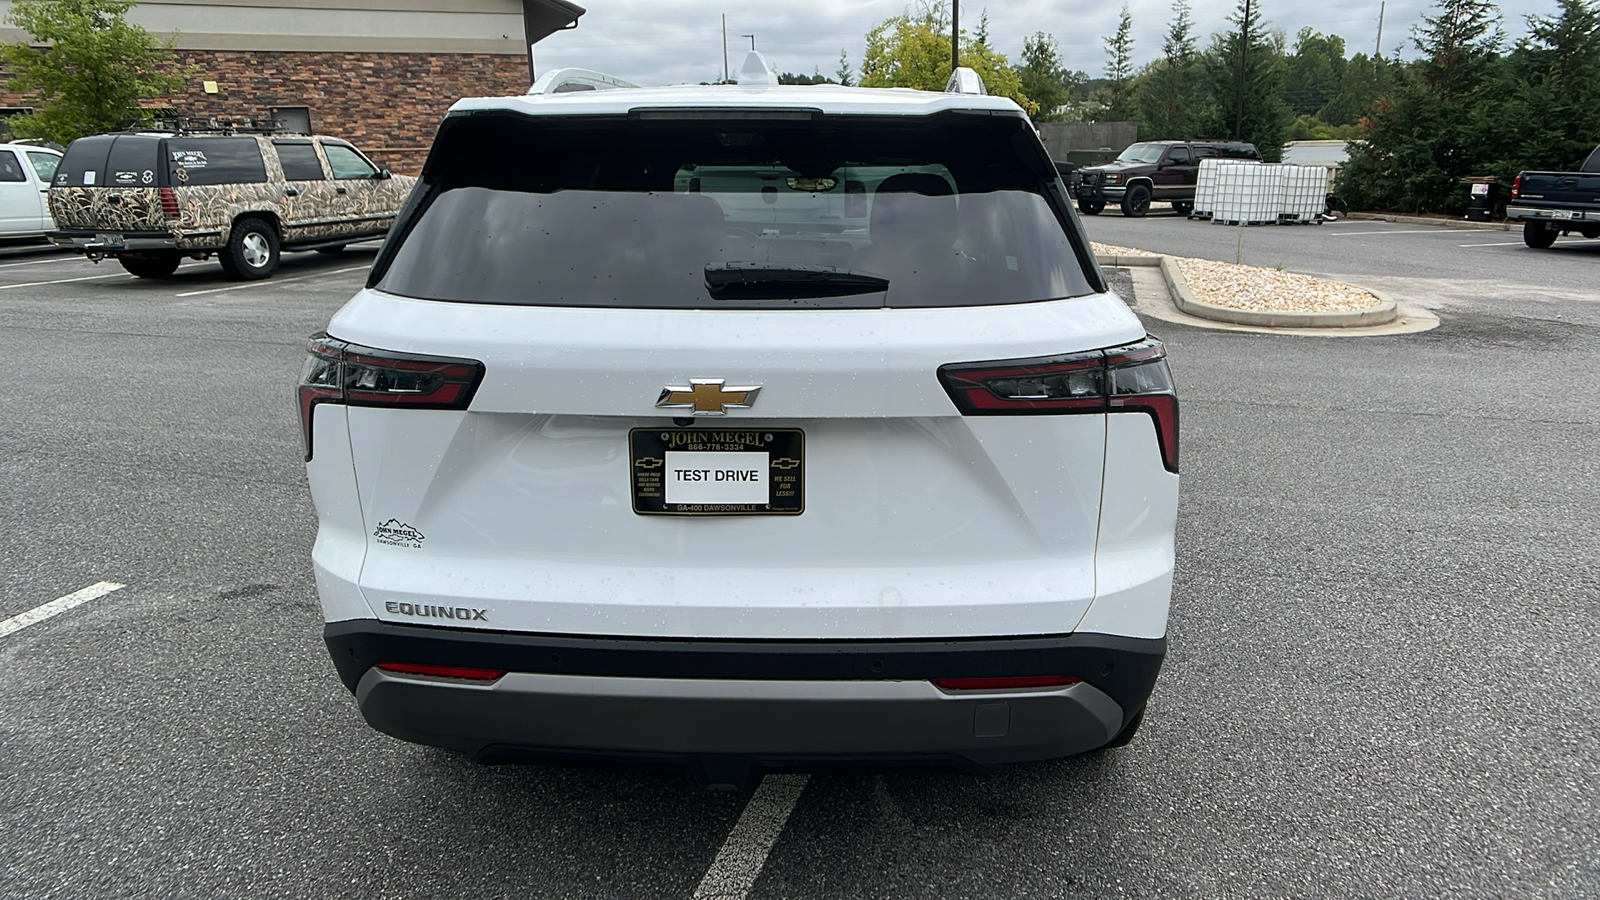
673,41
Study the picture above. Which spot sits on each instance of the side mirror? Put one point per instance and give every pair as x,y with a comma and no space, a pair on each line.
385,174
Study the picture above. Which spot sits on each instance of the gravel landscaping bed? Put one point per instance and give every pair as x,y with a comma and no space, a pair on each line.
1260,290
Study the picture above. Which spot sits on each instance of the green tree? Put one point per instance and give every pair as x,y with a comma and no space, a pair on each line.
844,74
1117,97
92,72
1556,68
813,78
1044,79
1364,80
1266,116
1450,116
1315,71
914,51
1170,98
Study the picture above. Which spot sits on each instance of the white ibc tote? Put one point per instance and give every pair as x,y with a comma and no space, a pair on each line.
1205,189
1247,195
1304,193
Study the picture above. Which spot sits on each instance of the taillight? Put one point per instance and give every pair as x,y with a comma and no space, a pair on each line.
337,372
1516,188
1007,683
1131,378
404,668
169,203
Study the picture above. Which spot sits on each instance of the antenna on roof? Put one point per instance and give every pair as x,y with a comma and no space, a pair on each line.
755,71
965,81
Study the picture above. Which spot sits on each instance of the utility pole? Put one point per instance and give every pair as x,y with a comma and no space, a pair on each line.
724,48
752,40
1244,51
1382,8
955,35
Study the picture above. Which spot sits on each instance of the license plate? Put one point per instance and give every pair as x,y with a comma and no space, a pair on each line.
717,472
1562,213
108,240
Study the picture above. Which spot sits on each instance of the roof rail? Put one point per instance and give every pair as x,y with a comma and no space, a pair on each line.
571,80
178,124
965,81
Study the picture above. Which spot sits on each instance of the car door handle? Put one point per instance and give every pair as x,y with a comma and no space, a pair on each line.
291,192
342,190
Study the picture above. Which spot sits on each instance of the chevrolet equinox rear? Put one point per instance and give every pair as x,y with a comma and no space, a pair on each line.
737,427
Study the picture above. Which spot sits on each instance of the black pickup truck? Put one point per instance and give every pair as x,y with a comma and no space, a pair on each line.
1550,204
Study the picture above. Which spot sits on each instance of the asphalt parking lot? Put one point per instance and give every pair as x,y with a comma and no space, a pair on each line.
1380,684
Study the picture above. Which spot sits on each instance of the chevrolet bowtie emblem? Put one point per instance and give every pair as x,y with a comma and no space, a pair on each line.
707,397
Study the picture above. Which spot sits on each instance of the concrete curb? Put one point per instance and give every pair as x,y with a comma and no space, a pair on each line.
1441,223
1184,299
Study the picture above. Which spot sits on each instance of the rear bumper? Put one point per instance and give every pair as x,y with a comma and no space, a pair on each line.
763,701
95,241
1525,213
134,241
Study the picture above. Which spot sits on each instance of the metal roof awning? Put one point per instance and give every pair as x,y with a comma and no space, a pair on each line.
542,18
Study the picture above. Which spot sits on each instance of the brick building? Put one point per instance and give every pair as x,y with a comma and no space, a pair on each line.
378,72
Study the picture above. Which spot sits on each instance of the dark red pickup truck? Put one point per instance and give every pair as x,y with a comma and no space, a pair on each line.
1550,204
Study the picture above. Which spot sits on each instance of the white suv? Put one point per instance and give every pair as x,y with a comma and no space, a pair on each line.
737,426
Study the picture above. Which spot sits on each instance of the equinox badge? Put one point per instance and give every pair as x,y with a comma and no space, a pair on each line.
707,397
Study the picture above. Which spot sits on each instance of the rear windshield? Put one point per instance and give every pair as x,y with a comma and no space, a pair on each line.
85,162
688,214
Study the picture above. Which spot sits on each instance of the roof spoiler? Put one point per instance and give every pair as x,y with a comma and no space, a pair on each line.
572,80
965,81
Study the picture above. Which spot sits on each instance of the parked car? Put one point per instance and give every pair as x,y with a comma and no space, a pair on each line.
150,199
1550,204
1152,171
25,175
734,425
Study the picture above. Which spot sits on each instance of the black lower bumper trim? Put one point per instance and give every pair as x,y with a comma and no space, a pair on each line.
1124,668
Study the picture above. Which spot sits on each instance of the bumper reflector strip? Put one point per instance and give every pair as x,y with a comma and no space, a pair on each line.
1004,684
441,671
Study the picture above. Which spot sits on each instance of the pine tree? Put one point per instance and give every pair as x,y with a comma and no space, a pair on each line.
1266,117
1044,79
843,74
1169,100
1119,70
1448,118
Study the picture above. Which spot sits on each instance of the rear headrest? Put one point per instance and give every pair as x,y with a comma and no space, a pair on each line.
916,183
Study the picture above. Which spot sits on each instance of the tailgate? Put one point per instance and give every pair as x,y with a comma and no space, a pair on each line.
107,209
1565,190
109,183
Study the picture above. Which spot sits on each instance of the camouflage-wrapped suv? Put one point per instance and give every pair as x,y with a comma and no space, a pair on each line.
151,199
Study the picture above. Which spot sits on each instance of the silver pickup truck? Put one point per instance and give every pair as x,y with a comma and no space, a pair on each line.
1550,204
151,199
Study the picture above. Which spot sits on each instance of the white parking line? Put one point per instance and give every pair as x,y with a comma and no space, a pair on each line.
58,606
744,853
1440,230
7,287
272,281
36,262
1506,244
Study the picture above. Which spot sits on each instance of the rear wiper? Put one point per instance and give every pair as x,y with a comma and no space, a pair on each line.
781,281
